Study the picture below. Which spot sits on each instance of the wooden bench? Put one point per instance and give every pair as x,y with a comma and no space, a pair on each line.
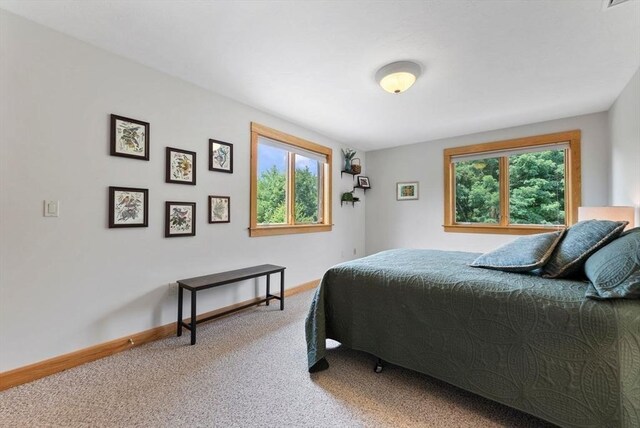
217,279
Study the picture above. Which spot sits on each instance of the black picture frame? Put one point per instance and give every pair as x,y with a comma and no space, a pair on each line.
180,166
124,202
213,218
127,145
363,182
172,219
217,151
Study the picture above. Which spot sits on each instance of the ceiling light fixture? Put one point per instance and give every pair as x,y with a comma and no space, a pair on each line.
398,76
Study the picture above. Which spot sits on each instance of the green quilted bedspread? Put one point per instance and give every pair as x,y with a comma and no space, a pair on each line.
534,344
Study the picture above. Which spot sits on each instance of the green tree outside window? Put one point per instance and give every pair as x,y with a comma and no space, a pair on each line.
536,189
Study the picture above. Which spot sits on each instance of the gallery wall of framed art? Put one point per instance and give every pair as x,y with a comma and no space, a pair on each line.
129,206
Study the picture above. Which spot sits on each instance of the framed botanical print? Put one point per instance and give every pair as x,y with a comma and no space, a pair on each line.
180,219
219,209
128,207
180,167
407,191
129,138
220,156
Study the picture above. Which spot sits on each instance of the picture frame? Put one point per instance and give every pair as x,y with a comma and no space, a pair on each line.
219,209
129,138
220,156
363,182
128,207
180,166
180,219
407,191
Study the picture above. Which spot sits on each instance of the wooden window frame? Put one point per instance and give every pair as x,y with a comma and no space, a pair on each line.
572,183
256,229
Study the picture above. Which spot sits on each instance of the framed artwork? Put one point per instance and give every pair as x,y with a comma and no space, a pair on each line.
180,219
129,138
219,209
220,156
128,207
407,191
181,166
363,182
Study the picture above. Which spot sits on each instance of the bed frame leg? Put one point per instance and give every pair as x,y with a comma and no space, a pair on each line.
378,368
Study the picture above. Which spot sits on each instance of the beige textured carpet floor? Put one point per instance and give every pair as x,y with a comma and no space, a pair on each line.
247,370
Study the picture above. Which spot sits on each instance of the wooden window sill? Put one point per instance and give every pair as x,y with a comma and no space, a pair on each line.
502,230
288,229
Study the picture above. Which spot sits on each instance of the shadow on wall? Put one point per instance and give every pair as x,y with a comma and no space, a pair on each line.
153,300
162,297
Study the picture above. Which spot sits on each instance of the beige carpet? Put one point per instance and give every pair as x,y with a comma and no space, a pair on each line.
247,370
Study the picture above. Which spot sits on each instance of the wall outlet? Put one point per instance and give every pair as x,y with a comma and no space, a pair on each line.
173,289
355,251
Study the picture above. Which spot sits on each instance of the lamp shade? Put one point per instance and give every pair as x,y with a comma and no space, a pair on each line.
398,76
608,213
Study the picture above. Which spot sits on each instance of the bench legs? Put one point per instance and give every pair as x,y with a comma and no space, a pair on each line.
268,287
282,290
193,317
179,323
192,324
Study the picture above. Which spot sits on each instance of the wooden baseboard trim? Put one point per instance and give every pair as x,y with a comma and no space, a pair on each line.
302,288
34,371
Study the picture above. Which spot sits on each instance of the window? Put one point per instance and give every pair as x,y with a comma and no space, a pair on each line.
527,185
290,184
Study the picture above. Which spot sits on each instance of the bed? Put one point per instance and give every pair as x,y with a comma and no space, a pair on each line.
534,344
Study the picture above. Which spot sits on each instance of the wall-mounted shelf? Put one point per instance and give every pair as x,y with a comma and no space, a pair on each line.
353,176
348,172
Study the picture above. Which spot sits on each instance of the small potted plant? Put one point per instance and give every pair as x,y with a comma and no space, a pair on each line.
347,197
348,156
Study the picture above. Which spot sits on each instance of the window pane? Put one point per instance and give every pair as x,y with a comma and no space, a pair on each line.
307,180
478,191
536,188
272,185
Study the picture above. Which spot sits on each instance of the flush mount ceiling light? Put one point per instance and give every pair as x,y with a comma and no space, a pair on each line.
398,76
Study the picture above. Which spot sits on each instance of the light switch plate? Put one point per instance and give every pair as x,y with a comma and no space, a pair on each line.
51,208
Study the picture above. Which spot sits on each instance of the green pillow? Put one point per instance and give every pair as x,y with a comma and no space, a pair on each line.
614,271
580,241
522,255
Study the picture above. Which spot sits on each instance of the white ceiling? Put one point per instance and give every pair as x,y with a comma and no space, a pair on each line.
487,64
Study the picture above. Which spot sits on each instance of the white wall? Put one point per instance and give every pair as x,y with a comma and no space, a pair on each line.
418,224
624,126
70,282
